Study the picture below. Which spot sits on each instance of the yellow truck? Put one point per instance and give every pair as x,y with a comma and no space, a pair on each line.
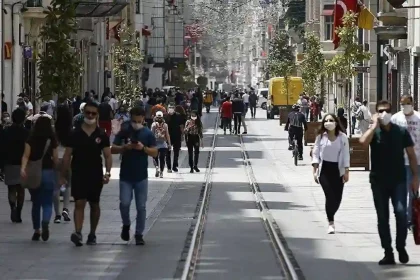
281,100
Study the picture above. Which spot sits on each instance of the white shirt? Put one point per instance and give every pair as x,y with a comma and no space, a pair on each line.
412,123
245,97
114,104
365,111
29,105
332,150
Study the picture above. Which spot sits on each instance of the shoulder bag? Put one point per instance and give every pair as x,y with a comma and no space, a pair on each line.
34,171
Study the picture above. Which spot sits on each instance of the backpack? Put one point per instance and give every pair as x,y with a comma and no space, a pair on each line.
159,131
359,115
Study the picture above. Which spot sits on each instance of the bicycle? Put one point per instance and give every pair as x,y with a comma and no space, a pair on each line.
295,151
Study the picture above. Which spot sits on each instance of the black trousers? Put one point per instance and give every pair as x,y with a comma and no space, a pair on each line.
253,108
160,159
332,184
297,132
193,145
176,147
227,123
237,122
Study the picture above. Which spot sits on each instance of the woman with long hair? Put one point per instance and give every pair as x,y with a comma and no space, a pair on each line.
331,162
163,142
193,137
42,144
63,127
13,144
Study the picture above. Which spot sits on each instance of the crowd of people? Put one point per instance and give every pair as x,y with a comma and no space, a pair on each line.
63,149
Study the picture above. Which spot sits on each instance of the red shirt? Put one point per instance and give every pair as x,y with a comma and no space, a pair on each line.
227,109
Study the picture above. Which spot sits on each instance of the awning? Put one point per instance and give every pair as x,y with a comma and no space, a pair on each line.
99,9
326,13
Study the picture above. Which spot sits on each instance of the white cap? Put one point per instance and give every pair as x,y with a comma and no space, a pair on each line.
159,114
82,106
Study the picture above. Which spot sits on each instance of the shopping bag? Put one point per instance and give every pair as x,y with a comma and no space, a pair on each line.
416,219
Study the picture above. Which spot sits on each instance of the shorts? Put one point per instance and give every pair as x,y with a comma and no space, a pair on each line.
86,190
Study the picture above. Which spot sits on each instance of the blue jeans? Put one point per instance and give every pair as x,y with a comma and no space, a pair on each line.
398,195
410,194
42,197
126,196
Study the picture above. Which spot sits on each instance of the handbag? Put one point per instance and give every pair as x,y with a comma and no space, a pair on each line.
416,219
34,171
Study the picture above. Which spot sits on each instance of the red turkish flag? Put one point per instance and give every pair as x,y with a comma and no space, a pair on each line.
342,7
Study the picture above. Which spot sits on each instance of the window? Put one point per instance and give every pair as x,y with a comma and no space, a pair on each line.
328,28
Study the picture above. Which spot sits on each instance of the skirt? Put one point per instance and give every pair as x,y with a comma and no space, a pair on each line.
12,175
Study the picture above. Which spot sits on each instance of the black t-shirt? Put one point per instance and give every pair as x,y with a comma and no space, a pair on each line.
105,111
12,144
3,106
174,126
87,153
37,150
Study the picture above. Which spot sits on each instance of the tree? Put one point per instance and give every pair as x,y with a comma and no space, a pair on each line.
59,67
353,54
127,59
281,59
295,16
312,64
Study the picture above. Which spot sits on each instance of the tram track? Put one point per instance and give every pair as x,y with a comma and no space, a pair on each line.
190,257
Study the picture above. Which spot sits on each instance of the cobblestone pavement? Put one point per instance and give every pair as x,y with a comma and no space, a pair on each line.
297,203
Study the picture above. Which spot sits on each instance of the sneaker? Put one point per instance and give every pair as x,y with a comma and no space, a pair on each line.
169,171
290,148
388,259
45,231
403,256
13,215
66,215
140,240
244,132
161,174
331,229
36,236
192,170
77,239
175,169
196,169
91,239
300,158
125,233
157,173
57,219
224,132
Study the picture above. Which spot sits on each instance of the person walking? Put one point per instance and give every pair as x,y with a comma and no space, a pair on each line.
84,150
106,114
226,112
388,142
238,108
135,142
331,162
363,117
193,138
409,119
253,100
41,145
163,143
175,123
12,144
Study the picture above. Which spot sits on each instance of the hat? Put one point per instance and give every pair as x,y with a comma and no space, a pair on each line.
159,114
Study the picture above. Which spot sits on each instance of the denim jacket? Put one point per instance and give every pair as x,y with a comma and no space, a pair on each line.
343,157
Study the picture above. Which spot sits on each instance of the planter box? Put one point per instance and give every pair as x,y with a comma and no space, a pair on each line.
359,155
310,134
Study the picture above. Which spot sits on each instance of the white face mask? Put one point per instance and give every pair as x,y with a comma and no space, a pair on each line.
407,109
6,119
136,126
188,104
90,121
330,125
193,118
171,110
385,118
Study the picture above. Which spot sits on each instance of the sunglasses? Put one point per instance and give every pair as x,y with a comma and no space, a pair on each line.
384,110
89,113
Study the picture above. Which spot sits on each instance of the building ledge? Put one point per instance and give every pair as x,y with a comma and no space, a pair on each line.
34,12
391,32
393,18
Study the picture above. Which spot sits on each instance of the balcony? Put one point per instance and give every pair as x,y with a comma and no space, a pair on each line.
393,21
35,9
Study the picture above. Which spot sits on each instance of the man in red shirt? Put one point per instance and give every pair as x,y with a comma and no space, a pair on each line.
227,114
